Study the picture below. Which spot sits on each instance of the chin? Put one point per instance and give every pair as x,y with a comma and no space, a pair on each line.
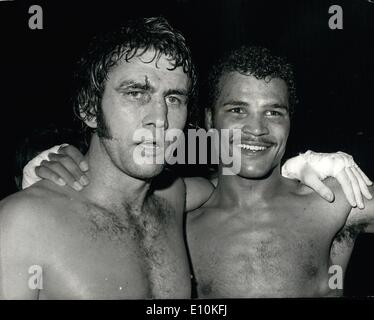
145,167
255,173
147,171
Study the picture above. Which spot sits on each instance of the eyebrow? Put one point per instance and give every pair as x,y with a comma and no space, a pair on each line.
279,106
238,103
146,86
235,103
136,85
181,92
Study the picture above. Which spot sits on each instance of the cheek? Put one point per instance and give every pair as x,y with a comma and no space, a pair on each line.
177,119
280,132
285,131
120,116
220,122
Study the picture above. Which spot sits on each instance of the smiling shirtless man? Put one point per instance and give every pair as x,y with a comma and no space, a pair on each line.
277,241
281,239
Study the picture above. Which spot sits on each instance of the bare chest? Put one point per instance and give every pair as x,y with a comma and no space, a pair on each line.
288,255
107,258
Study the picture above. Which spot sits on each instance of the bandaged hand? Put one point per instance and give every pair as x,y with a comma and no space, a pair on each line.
29,175
62,165
311,168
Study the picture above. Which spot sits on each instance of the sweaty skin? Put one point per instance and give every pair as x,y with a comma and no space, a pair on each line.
211,222
119,238
122,236
89,252
281,245
278,239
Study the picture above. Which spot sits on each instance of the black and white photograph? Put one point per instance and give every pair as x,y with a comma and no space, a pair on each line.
187,150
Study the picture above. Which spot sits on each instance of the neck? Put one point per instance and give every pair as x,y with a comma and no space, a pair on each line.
238,191
110,187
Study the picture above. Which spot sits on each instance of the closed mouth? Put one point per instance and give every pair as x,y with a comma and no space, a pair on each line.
150,144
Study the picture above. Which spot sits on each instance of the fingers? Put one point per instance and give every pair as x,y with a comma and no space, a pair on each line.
349,162
57,173
364,176
355,187
75,154
364,189
311,179
359,180
46,173
345,183
69,164
65,167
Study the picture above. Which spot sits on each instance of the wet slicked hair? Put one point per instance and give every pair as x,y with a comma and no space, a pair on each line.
130,40
255,61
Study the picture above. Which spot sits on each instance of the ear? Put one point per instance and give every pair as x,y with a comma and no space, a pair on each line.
208,119
90,120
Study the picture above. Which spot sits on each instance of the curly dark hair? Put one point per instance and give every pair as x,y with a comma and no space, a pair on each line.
130,40
255,61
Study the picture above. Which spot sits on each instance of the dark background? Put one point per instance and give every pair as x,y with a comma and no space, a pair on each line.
334,71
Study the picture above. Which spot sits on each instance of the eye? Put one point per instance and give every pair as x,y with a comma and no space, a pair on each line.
173,100
236,110
134,94
273,113
137,96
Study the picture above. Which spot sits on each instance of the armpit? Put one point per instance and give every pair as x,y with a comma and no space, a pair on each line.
350,232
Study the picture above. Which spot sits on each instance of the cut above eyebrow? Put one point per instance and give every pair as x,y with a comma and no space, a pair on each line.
132,84
135,84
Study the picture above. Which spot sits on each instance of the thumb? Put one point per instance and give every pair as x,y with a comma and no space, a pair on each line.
310,178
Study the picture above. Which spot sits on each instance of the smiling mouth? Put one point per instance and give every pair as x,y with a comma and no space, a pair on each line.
254,148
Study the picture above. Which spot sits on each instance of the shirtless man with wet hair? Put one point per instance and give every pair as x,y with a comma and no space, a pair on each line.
122,236
259,234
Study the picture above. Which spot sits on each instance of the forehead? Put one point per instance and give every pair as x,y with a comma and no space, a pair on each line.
234,85
157,71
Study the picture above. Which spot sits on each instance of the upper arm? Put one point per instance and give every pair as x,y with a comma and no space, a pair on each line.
16,249
198,191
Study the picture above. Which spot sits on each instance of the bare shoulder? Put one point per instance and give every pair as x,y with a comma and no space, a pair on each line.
355,216
28,234
31,202
339,197
22,208
333,214
29,215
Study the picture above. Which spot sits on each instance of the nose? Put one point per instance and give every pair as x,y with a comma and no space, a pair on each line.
255,125
157,115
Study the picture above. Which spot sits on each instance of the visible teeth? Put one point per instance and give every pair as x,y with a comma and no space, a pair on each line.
252,147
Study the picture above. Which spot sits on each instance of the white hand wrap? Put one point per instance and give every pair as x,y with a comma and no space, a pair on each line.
29,175
325,164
